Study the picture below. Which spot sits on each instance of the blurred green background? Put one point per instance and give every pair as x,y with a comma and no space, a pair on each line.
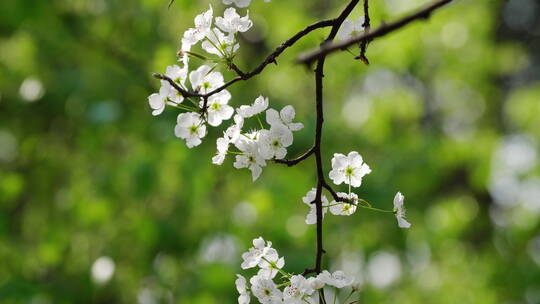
100,203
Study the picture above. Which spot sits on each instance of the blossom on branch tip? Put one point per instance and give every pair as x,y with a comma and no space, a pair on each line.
203,23
219,44
348,169
344,208
284,117
309,200
255,254
399,210
350,28
259,105
190,127
270,264
232,23
157,101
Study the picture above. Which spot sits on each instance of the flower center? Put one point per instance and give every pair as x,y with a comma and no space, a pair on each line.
267,292
206,85
216,106
193,129
349,171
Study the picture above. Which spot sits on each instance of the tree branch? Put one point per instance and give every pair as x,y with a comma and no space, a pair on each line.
382,30
319,75
294,162
367,27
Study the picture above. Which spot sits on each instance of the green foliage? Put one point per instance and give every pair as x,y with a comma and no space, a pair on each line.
86,171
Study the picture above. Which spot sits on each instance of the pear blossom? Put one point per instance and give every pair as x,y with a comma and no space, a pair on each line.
219,44
315,283
344,208
203,23
297,290
178,75
259,105
204,80
157,101
399,210
241,286
337,279
349,169
273,142
270,264
265,290
232,23
234,131
308,199
218,109
255,254
251,158
284,117
240,3
222,144
351,28
191,128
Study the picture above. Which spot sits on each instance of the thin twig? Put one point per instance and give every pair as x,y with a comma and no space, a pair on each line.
294,162
382,30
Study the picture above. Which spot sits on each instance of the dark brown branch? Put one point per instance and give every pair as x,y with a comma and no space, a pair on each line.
367,27
271,58
382,30
294,162
319,75
184,93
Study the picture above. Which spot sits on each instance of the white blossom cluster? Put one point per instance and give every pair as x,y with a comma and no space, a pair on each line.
218,36
201,95
286,288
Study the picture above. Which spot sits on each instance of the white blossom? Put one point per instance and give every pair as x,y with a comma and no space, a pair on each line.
157,101
337,279
270,264
218,109
204,80
350,28
219,44
203,23
234,131
222,144
255,254
259,105
190,127
232,23
315,283
344,208
265,290
349,169
297,290
240,3
273,142
241,286
284,117
399,210
251,158
308,199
